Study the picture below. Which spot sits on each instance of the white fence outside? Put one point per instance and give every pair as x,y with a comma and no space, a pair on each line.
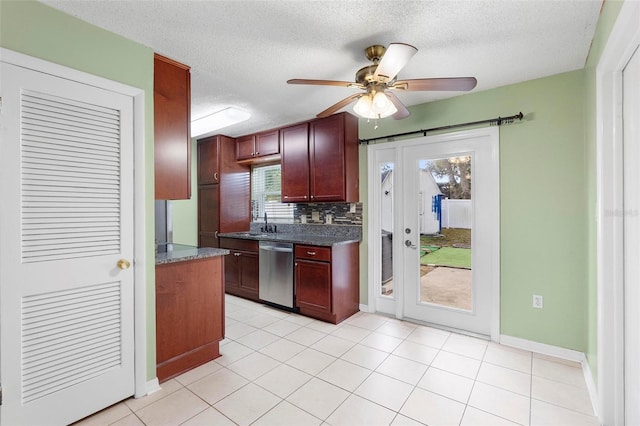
456,213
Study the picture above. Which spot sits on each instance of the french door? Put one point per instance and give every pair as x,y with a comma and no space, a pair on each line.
66,253
435,205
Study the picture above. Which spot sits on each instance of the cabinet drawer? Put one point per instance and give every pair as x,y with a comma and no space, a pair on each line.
239,244
313,252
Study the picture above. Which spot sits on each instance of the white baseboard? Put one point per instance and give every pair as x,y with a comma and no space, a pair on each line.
591,387
542,348
364,308
153,386
558,352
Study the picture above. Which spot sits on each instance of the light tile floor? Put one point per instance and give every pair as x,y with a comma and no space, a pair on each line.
279,368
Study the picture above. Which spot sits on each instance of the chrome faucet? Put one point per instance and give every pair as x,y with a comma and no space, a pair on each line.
267,227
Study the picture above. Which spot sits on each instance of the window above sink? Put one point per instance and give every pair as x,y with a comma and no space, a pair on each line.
265,195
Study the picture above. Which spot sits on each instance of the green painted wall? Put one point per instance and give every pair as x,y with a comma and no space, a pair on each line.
542,197
185,212
37,30
608,15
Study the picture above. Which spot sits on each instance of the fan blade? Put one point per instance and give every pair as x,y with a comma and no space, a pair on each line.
395,57
402,112
325,82
335,107
436,84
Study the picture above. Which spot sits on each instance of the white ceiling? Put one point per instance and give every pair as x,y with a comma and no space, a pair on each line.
242,53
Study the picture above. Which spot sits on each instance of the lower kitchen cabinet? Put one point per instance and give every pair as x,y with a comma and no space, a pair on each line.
241,267
189,314
314,285
327,281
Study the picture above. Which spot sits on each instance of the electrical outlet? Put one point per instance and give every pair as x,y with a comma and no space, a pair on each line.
538,301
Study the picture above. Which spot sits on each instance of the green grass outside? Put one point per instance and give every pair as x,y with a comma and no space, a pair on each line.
448,237
448,256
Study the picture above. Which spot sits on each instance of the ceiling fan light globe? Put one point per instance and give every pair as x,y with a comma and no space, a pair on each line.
380,101
390,109
363,107
366,108
382,106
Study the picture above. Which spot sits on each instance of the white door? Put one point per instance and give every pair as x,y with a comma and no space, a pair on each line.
631,185
458,288
66,329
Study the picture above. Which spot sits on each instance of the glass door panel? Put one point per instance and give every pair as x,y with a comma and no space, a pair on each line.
444,216
386,229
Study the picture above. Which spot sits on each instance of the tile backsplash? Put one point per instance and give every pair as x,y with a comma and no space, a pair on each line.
329,213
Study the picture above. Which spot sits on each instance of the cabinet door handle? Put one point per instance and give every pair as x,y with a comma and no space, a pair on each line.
215,176
311,253
236,254
257,153
215,234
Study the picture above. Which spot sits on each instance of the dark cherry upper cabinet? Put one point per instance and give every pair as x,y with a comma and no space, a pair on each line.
295,163
258,146
172,117
330,173
245,147
223,190
267,143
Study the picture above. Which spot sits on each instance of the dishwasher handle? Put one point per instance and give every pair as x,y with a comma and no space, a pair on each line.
282,249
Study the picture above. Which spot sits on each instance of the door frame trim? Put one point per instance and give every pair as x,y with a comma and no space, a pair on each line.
140,275
373,220
623,40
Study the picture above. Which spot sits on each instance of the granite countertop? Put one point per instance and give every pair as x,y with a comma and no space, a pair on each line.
170,253
291,238
316,235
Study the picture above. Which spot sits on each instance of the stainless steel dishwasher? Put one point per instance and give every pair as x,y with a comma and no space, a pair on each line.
276,273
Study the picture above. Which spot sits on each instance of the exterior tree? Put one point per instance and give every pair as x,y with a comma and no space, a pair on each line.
453,176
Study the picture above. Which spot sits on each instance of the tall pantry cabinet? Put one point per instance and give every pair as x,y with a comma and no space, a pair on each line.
223,190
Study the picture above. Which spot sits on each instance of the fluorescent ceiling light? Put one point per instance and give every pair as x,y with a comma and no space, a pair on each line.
218,120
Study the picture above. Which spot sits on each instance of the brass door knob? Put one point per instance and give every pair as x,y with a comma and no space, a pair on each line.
124,264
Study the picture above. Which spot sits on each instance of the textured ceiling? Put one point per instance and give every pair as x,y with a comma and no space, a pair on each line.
242,53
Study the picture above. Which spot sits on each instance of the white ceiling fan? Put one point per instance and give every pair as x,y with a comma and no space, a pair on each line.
378,81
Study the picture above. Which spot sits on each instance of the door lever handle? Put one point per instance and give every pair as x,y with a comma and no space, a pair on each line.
408,243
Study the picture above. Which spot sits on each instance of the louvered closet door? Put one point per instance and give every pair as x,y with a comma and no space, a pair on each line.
66,329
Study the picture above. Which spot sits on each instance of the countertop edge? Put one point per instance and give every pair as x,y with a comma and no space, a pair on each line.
202,253
295,239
